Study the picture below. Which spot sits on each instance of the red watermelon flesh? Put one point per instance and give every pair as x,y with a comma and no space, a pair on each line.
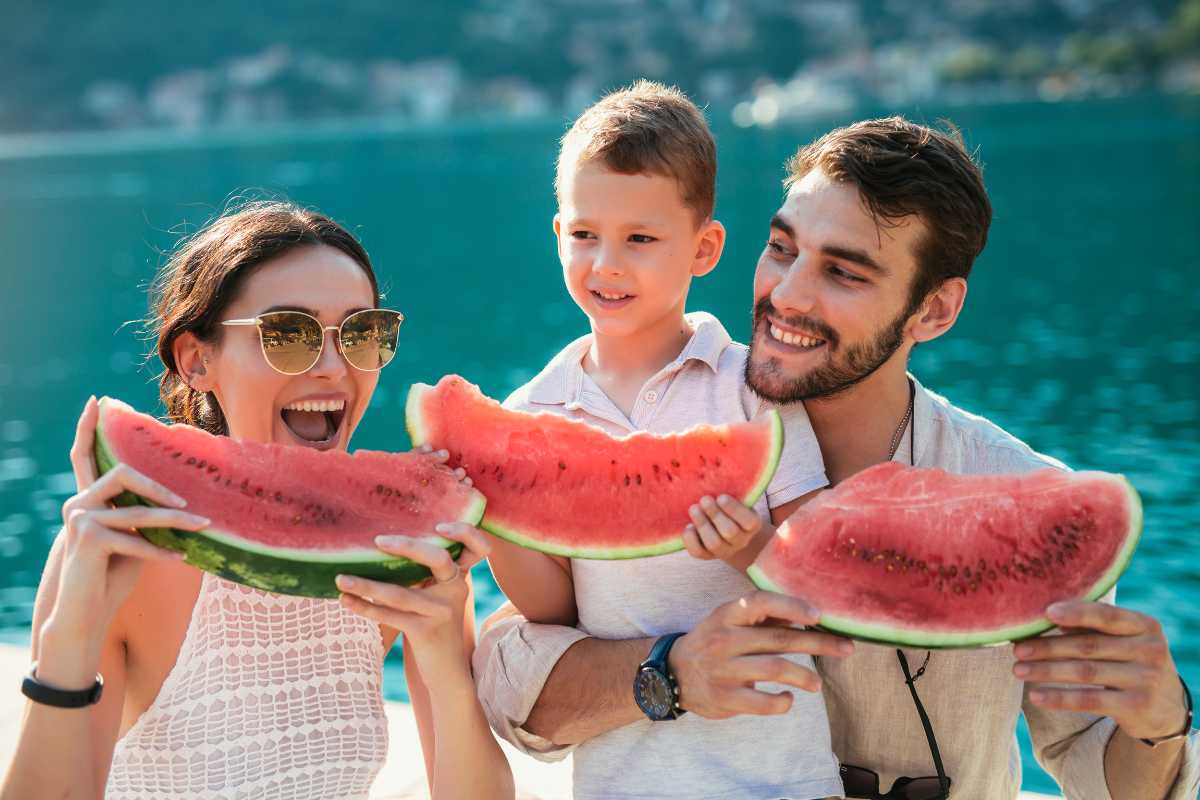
925,558
288,515
562,486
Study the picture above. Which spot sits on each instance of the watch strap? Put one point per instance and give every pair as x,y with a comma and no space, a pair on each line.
657,661
1187,720
39,692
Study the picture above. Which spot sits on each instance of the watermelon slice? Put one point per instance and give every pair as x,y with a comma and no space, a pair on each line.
565,487
286,519
924,558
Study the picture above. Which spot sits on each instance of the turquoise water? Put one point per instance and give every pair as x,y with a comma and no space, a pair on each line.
1080,333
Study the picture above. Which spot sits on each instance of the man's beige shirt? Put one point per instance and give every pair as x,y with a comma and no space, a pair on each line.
972,698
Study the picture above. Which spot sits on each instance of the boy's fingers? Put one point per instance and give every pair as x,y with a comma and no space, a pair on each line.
746,518
729,530
691,543
709,537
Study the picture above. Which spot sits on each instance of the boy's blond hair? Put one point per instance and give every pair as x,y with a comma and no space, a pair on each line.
649,129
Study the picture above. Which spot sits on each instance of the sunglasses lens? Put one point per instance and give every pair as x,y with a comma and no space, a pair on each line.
291,341
369,337
919,789
859,782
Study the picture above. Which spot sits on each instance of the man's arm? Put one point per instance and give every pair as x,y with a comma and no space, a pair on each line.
542,689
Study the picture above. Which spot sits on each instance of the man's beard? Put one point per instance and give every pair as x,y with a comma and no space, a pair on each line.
766,377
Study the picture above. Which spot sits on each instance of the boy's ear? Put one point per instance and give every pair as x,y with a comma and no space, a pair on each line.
939,311
710,243
558,234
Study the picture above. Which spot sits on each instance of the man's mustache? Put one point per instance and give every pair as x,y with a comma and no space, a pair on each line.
764,307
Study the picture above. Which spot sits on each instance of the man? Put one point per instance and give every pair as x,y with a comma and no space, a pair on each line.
868,256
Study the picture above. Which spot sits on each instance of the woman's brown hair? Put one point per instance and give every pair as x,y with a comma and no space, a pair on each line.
204,274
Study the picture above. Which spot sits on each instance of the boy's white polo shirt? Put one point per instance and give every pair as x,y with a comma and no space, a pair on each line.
784,756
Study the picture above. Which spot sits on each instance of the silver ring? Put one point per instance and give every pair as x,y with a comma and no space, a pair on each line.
454,577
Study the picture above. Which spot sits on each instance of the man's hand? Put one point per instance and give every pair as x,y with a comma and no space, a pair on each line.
717,664
1122,652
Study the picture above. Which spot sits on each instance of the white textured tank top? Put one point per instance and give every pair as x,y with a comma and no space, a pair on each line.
272,698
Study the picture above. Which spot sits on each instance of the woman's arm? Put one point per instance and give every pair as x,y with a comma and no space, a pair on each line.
462,756
92,568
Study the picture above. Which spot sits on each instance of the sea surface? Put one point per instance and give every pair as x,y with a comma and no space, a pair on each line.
1081,332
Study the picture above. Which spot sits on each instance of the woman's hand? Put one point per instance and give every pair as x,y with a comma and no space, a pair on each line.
429,615
101,554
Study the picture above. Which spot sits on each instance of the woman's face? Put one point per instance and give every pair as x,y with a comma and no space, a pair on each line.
263,405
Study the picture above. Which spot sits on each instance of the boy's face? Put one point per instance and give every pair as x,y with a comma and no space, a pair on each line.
629,247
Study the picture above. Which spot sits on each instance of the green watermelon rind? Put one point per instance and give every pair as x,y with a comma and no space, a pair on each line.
891,635
283,570
419,433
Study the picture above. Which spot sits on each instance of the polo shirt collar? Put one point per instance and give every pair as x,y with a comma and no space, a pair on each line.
561,382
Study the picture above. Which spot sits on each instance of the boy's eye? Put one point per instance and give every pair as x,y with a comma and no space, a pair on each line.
582,235
641,238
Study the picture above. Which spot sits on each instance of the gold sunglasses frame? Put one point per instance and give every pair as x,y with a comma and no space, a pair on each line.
257,322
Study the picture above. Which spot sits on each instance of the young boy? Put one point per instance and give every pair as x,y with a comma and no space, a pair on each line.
635,184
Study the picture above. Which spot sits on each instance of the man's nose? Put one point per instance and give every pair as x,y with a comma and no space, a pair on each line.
797,291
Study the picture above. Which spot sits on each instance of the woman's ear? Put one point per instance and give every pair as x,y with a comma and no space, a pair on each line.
192,361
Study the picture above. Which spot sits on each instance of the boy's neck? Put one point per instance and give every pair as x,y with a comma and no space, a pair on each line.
855,428
621,365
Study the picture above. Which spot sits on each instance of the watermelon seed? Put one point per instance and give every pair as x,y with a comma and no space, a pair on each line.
717,461
626,480
177,454
278,497
669,478
674,463
563,466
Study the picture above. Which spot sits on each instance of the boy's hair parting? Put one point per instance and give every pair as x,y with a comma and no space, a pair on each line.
901,169
647,128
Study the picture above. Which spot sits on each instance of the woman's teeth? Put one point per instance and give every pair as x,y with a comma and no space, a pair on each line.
316,405
794,339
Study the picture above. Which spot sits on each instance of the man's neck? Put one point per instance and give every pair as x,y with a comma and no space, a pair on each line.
856,427
621,365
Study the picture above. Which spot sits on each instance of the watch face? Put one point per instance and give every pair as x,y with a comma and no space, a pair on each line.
653,693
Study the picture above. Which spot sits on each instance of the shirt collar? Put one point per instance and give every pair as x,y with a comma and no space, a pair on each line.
562,379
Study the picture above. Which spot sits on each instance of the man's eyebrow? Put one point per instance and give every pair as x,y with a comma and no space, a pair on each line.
779,222
855,256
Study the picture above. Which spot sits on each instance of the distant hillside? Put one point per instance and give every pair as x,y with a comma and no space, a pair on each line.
148,63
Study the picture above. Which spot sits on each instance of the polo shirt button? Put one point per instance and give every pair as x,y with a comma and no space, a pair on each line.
651,396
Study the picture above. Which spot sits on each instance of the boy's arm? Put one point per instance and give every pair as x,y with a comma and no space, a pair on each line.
538,584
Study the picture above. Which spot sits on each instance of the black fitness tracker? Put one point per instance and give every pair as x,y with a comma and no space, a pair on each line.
60,698
654,687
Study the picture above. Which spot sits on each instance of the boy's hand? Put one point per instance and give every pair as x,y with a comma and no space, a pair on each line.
720,528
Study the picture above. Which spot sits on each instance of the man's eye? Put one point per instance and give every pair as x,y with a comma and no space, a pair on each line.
775,247
641,238
838,272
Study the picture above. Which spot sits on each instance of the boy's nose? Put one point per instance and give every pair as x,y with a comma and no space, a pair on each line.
606,262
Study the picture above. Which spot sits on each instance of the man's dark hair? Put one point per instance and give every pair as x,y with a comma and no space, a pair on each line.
903,169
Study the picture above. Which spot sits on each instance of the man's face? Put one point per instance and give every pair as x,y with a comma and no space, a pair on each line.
831,293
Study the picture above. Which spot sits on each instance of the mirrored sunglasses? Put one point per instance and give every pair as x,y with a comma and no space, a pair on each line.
292,341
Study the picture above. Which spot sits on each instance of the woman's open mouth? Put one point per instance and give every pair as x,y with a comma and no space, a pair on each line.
315,423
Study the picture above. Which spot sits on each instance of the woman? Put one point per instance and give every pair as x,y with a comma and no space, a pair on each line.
211,689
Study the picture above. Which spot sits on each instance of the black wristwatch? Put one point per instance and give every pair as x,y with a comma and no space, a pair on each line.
654,686
60,698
